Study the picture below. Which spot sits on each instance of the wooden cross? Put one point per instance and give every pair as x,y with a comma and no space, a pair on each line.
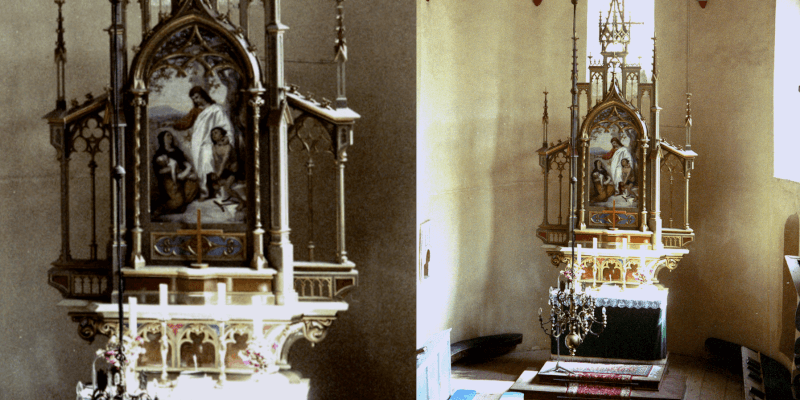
199,232
614,214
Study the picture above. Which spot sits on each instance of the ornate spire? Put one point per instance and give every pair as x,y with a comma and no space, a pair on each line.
655,57
615,32
61,59
545,121
688,123
341,56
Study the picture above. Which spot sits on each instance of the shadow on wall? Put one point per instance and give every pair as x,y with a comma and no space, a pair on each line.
791,247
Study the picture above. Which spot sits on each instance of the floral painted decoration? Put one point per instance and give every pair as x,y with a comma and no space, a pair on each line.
261,356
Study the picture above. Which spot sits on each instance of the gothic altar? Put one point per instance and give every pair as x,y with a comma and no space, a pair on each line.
175,203
616,213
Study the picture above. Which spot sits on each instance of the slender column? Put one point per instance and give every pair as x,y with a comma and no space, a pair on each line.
687,175
643,216
546,166
258,261
344,139
655,218
137,259
573,192
583,192
93,179
58,134
687,163
310,171
281,251
117,67
63,154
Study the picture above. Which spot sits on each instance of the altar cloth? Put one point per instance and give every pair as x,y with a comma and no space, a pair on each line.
636,325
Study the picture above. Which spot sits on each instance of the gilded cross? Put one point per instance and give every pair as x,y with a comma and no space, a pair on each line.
199,232
614,214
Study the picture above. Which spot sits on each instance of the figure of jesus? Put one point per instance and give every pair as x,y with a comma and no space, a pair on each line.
203,117
616,155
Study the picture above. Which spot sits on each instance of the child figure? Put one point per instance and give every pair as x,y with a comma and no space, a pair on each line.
225,168
628,180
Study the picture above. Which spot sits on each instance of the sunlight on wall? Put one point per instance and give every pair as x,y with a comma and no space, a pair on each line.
639,11
786,92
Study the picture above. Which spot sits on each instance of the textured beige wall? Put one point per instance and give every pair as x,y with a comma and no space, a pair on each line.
731,284
363,356
483,68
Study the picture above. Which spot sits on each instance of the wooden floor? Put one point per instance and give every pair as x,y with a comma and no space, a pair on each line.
704,379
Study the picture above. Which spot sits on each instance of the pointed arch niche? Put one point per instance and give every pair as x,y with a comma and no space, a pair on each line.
191,76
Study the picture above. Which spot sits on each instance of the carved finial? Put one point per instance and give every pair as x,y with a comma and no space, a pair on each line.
340,50
325,103
688,109
688,121
545,118
294,89
655,58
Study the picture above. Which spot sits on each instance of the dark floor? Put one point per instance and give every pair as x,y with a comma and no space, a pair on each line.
704,380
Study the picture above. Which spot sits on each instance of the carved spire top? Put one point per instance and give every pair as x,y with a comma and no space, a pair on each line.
615,31
341,42
545,118
60,59
655,58
688,110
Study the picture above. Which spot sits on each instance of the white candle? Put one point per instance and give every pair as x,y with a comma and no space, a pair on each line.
162,295
221,298
625,243
132,316
594,243
579,254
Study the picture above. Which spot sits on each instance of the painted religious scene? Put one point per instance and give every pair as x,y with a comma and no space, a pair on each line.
196,121
613,166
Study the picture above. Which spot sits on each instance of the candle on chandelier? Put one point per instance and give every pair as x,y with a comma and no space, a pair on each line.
132,316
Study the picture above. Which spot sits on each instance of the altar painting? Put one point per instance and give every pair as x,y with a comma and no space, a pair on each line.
196,132
613,166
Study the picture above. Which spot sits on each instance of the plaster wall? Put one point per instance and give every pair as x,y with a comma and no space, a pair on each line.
730,285
362,355
482,69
